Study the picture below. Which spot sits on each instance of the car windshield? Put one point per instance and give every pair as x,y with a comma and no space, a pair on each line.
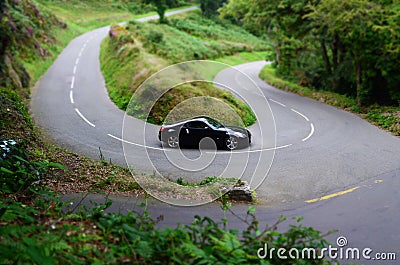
214,123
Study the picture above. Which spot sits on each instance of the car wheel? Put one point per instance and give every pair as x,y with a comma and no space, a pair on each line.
231,143
173,141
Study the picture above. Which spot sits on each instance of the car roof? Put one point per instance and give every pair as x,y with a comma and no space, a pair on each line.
198,118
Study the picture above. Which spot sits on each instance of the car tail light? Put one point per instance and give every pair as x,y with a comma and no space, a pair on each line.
163,129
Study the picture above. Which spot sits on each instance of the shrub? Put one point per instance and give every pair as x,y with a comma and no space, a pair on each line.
18,174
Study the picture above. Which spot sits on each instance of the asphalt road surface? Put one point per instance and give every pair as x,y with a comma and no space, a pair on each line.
319,150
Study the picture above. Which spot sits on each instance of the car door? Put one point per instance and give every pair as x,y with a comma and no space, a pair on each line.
194,131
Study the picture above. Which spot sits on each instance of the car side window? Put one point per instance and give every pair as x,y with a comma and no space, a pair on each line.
196,125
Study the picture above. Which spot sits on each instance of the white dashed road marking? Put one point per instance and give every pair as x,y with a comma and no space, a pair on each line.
311,133
84,118
71,96
125,141
224,152
72,82
276,102
256,150
302,115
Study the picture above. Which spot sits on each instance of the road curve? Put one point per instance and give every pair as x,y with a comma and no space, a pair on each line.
319,149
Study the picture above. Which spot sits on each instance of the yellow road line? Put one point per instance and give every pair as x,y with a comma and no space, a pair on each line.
341,192
333,195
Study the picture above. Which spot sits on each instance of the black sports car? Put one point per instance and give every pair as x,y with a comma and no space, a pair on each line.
190,132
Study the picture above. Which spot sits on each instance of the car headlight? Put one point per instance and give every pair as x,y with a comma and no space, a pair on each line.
240,135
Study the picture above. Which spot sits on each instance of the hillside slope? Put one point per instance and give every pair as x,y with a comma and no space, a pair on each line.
134,52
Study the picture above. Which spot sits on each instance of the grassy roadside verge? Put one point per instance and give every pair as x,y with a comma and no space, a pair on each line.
243,57
387,118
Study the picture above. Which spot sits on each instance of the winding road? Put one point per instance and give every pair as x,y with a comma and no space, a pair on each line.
330,166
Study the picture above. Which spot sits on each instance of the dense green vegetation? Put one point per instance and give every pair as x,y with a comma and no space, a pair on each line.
348,47
141,49
24,35
209,8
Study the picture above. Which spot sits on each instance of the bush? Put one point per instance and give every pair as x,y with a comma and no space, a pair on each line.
17,173
194,37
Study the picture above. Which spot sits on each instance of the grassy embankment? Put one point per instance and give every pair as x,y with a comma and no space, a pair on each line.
139,50
387,118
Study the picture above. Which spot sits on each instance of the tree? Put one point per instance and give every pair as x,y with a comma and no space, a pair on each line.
350,27
235,11
347,46
209,8
281,21
161,6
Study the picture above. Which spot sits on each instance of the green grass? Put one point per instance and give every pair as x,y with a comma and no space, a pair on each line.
92,14
155,13
37,66
79,17
88,14
244,57
193,37
201,98
388,118
217,29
